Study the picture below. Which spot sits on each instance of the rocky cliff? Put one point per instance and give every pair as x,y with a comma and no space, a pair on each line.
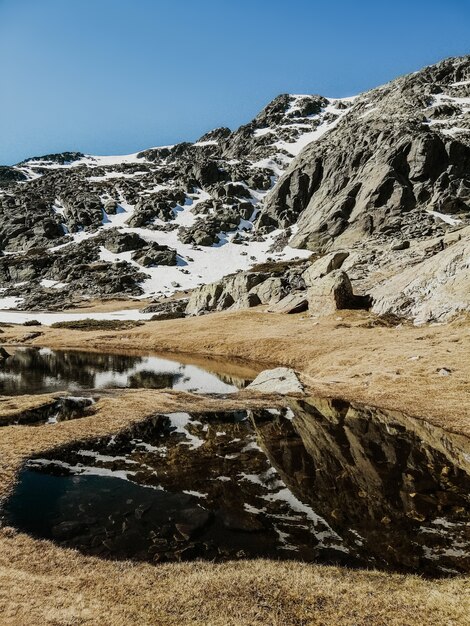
382,179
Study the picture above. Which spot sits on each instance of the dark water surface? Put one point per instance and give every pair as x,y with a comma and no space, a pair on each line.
41,370
323,481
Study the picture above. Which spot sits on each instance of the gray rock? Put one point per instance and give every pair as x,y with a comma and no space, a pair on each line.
323,266
292,303
400,245
334,292
281,380
225,293
155,254
270,291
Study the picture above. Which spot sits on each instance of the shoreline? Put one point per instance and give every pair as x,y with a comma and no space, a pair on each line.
336,357
421,371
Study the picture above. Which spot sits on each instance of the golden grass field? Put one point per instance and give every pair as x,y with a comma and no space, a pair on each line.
41,583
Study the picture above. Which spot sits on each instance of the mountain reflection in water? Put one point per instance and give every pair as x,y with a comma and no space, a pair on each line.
41,370
322,481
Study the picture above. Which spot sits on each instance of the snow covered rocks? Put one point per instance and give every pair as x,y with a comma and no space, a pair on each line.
372,185
281,380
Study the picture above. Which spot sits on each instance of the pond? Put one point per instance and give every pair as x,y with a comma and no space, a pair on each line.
42,370
321,481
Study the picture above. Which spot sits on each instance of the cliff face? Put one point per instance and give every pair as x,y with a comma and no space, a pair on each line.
400,152
382,178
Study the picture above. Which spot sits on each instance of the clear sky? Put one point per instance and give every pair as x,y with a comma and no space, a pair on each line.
117,76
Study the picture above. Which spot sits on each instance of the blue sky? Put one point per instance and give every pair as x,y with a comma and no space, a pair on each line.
116,76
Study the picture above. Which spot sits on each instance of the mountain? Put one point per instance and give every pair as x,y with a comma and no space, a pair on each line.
379,183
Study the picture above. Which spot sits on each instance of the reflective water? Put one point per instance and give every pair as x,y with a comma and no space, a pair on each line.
41,370
322,481
52,411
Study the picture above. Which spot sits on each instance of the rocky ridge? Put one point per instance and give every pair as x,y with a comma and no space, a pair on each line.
376,187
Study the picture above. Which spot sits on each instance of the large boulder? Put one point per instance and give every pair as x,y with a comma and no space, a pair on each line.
155,254
117,241
323,266
334,292
296,302
281,380
270,291
225,293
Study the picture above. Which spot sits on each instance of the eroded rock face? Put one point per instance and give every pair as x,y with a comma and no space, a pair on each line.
385,163
373,184
435,289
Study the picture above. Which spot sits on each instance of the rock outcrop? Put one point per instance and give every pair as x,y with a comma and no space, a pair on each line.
372,185
393,157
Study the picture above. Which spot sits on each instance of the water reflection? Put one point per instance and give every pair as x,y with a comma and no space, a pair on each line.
41,370
325,481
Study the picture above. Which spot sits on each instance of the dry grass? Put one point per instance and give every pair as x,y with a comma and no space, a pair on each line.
92,324
393,367
44,584
48,585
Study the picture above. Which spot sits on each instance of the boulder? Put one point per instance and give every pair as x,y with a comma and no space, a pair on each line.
334,292
155,254
117,242
281,380
270,291
167,307
225,293
296,302
246,302
110,206
323,266
204,299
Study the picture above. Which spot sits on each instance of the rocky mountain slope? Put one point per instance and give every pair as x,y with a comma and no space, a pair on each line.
379,183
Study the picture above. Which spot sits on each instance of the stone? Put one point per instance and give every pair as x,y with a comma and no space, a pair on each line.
246,302
281,380
400,245
323,266
292,303
117,242
270,291
155,254
334,292
225,293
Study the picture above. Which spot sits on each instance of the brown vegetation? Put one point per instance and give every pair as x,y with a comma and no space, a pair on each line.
355,357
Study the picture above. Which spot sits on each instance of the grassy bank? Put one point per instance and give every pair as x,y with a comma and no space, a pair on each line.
397,368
